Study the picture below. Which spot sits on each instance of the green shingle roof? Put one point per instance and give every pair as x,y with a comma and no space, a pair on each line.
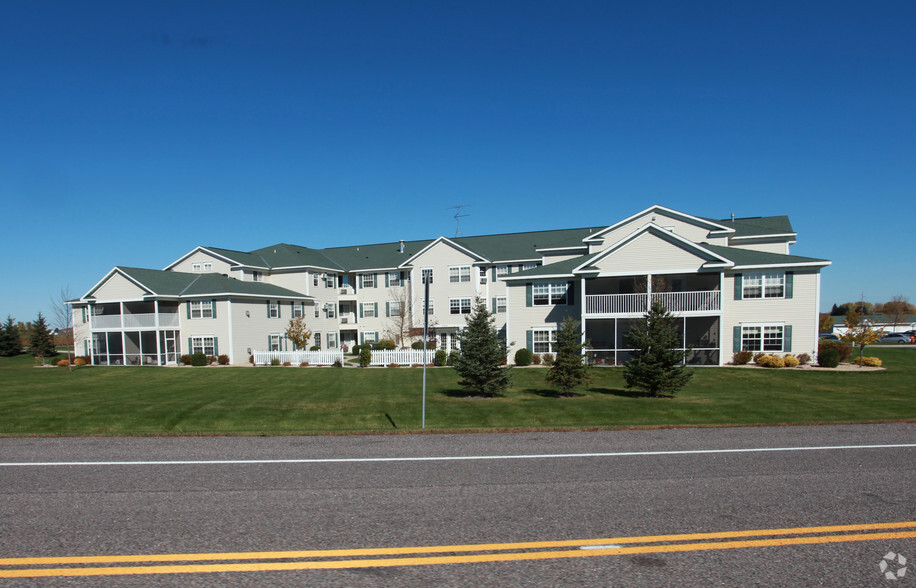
757,226
181,284
749,257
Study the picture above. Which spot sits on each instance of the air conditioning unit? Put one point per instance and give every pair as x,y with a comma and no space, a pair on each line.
344,320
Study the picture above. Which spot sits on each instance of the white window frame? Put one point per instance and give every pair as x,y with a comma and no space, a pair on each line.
208,267
203,343
502,270
767,336
330,281
273,342
330,311
332,340
430,309
459,274
529,265
370,337
195,267
760,285
543,340
394,308
426,275
501,304
298,310
459,305
394,279
257,276
368,309
273,309
201,309
367,280
549,293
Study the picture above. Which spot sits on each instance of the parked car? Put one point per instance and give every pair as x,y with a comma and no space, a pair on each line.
911,335
894,338
828,337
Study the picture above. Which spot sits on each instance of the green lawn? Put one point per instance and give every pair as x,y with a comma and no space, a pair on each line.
282,401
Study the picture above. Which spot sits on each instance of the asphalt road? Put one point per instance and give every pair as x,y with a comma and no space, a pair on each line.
578,509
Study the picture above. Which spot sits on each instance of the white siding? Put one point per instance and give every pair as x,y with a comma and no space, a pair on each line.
201,257
117,287
680,227
649,253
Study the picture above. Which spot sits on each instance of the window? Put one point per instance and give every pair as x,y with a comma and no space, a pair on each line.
315,280
195,267
459,274
367,280
368,309
394,308
205,345
274,342
762,337
208,267
330,309
318,339
394,279
544,340
201,309
768,285
273,309
543,293
257,277
370,336
298,309
502,270
529,265
426,275
459,306
499,304
332,340
431,309
330,281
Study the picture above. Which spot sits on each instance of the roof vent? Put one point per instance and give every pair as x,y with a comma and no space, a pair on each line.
401,247
733,217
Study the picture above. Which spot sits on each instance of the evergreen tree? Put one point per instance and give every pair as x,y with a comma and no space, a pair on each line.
568,369
657,365
41,342
10,341
483,353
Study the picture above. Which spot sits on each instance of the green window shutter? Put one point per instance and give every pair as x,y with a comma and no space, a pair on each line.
787,338
190,347
213,307
188,307
529,294
571,293
375,307
268,309
215,347
739,288
360,310
375,280
736,336
790,283
279,309
268,343
386,280
362,338
494,273
387,304
529,340
494,305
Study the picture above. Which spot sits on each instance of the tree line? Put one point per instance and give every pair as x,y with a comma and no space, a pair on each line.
37,335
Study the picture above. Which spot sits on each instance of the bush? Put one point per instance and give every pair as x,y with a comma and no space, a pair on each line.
315,348
337,363
185,359
223,360
275,361
441,357
287,364
365,355
536,359
548,359
758,355
453,357
872,362
80,361
804,358
394,365
356,349
523,357
418,345
790,361
742,357
844,350
304,364
828,357
199,359
770,361
211,359
65,363
386,345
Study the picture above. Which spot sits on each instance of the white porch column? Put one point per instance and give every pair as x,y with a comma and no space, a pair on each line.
231,334
123,337
158,333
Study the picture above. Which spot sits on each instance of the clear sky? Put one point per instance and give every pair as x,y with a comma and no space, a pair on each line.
133,131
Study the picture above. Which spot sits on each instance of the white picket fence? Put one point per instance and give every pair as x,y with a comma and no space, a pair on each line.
402,356
299,357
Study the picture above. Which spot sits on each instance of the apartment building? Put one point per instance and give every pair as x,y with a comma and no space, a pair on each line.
732,283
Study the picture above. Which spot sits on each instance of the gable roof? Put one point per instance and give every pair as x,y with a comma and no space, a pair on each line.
747,258
713,226
760,226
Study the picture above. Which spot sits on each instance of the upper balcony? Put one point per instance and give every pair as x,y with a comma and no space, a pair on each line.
134,322
701,302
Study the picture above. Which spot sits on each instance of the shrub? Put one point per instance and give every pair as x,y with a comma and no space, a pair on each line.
287,364
386,345
523,357
80,361
365,355
844,350
790,361
742,357
828,357
418,345
758,355
548,359
315,348
356,349
185,359
872,362
304,364
211,359
199,359
275,361
393,365
223,360
804,358
337,363
536,359
416,365
771,361
453,357
441,357
65,363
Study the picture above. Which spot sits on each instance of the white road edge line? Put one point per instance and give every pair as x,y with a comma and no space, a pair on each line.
449,458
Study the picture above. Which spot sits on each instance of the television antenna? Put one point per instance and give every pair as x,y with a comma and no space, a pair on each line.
458,216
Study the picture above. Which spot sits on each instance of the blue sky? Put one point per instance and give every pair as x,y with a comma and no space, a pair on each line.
131,132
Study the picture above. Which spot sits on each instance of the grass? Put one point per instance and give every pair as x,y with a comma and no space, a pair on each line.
285,401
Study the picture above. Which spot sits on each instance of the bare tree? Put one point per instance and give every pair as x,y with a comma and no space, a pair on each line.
63,320
896,309
400,319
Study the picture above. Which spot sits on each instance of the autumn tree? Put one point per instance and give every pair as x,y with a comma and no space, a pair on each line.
825,323
860,331
896,309
298,333
568,370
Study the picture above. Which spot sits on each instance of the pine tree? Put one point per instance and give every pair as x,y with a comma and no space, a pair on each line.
657,364
568,369
10,342
483,353
41,342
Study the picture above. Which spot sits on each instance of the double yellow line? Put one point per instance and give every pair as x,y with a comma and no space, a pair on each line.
492,552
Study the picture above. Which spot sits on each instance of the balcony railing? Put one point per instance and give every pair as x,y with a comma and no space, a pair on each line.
708,300
134,321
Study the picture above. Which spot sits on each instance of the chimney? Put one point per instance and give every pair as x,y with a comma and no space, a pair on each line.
401,248
733,217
